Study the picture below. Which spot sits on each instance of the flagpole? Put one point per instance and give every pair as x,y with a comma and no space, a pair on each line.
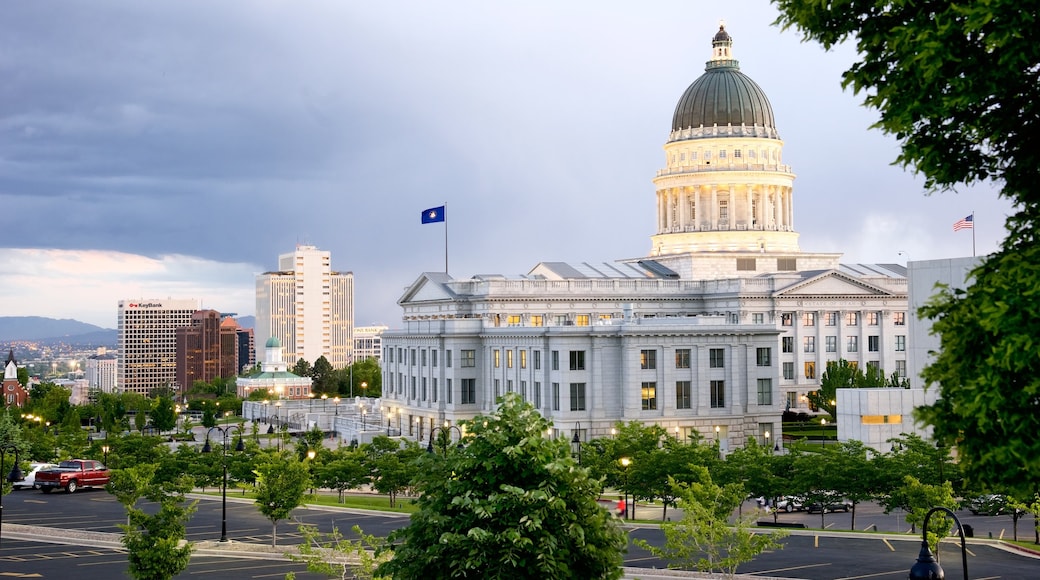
972,233
446,238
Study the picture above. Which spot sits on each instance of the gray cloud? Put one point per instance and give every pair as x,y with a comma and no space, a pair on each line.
231,131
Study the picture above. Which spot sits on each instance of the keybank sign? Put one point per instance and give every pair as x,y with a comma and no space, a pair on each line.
145,305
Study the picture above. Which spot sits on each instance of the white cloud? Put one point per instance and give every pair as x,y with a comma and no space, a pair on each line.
87,284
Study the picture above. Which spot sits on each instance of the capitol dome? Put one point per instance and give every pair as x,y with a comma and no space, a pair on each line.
723,97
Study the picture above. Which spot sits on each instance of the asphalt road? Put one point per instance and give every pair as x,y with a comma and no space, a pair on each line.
808,556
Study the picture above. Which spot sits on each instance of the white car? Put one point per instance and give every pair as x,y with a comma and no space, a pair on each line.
29,481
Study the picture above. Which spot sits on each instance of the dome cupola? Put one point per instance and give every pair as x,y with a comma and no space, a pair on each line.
723,101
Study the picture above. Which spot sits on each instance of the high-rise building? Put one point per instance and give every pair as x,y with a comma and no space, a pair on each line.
726,323
101,371
148,344
246,349
308,307
207,349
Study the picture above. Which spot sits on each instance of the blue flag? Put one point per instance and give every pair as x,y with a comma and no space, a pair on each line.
433,215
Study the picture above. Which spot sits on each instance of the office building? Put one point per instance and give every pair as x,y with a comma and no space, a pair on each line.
368,342
101,371
206,350
148,343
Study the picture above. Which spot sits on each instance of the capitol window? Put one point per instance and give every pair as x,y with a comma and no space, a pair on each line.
736,152
722,154
649,396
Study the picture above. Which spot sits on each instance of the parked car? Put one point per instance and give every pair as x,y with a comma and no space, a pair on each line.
829,504
29,481
73,474
790,503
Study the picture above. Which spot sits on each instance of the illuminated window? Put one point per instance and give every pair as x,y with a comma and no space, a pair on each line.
810,370
649,396
899,318
808,319
536,321
852,319
581,320
513,320
648,359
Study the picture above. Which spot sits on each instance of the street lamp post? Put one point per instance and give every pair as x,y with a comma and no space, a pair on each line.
766,437
625,463
335,401
14,475
324,401
447,432
364,386
823,432
389,415
576,442
225,433
105,449
927,567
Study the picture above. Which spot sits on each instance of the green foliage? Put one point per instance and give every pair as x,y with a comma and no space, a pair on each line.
917,499
512,503
322,374
154,539
131,484
988,371
302,368
163,414
704,539
328,554
281,482
392,465
957,84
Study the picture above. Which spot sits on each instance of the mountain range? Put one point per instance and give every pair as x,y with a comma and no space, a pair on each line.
39,328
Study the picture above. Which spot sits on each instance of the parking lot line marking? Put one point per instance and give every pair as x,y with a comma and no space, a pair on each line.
885,540
790,568
872,575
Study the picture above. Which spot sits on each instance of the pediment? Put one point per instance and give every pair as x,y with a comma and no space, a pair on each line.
430,287
832,283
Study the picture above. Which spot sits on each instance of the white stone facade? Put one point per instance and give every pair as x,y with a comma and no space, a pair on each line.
721,328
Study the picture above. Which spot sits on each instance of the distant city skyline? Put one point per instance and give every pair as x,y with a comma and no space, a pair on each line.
174,149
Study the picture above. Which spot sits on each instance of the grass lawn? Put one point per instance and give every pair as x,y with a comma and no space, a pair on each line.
364,501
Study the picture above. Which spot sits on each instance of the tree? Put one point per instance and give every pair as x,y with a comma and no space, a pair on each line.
281,483
393,465
512,503
839,374
154,542
334,556
859,477
302,368
164,416
917,499
704,538
131,484
957,84
322,373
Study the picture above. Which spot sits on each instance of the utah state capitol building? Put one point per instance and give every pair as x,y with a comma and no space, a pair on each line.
724,325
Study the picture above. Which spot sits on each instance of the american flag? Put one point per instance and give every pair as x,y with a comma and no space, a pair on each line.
964,224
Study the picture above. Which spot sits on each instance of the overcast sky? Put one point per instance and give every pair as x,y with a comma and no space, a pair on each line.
176,148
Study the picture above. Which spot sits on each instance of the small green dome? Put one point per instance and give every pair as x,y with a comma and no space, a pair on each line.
273,342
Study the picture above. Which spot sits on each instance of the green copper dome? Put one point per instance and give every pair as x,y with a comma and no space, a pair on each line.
723,97
273,342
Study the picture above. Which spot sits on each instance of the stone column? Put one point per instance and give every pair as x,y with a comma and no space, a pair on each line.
713,216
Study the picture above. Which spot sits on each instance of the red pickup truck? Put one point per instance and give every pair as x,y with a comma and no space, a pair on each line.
73,474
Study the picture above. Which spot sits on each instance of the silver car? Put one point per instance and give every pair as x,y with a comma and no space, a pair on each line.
29,481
